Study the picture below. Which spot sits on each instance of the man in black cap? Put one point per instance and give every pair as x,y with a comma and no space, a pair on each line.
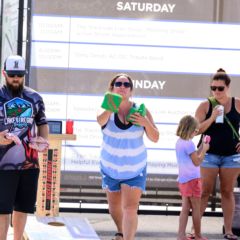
23,133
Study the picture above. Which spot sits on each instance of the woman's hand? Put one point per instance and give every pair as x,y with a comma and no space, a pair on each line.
216,112
148,124
137,119
201,114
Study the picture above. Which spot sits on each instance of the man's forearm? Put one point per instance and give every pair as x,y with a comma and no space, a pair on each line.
43,131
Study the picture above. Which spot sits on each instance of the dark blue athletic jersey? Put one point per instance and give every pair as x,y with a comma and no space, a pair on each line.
20,115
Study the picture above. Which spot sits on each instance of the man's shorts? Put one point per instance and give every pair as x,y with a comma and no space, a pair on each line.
217,161
18,190
192,188
114,185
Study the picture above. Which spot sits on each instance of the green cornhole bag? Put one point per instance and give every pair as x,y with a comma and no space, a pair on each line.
111,101
141,110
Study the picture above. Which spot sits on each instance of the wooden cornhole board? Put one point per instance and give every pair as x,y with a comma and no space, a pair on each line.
59,228
49,178
47,225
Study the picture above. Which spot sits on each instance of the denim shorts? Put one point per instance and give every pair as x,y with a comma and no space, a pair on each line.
218,161
114,185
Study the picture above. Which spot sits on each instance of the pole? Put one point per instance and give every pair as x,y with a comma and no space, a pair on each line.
1,14
28,41
20,27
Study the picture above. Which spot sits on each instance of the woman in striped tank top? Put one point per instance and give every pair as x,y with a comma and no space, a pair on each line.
124,157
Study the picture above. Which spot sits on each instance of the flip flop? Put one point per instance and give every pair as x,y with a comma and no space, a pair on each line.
190,236
230,236
117,236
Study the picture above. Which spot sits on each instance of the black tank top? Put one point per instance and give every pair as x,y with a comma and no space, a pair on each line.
223,142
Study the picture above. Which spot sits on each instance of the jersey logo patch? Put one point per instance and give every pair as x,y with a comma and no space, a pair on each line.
18,113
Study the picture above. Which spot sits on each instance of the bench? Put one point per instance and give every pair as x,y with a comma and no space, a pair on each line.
155,196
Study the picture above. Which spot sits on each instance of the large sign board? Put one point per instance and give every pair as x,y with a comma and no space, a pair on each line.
169,48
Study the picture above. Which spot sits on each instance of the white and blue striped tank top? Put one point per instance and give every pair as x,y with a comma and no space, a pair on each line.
123,153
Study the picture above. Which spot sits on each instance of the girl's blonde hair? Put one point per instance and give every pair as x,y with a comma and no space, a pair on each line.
186,127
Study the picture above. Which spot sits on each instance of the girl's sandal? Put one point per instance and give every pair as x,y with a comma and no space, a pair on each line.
190,236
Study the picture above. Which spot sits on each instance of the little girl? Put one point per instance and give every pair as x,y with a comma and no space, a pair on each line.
189,158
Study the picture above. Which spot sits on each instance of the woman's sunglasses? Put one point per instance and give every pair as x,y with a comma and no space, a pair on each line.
125,84
219,88
11,75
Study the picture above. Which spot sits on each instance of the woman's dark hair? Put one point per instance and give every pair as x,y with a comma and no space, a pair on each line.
111,84
221,75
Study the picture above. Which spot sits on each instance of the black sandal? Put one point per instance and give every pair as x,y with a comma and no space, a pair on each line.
118,234
230,236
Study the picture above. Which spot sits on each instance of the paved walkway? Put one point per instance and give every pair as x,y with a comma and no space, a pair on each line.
150,227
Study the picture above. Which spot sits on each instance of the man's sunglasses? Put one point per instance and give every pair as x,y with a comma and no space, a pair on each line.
125,84
11,75
220,88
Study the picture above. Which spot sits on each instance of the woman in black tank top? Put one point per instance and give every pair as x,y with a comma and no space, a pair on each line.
223,157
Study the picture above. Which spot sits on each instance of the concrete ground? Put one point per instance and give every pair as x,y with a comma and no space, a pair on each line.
150,227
